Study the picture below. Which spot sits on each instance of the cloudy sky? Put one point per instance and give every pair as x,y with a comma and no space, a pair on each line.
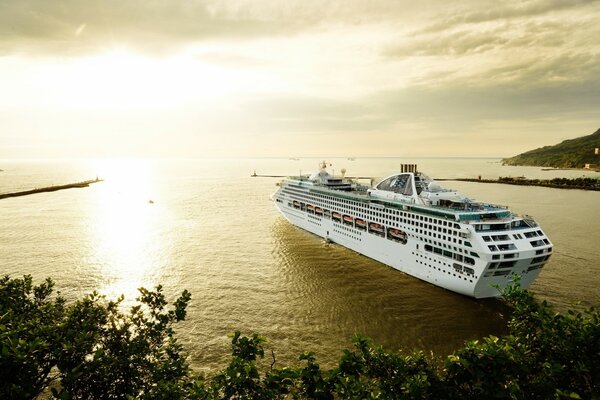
194,78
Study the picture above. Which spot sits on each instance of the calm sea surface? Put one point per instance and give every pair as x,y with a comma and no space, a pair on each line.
212,229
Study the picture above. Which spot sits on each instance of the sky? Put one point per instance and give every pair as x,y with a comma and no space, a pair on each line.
271,78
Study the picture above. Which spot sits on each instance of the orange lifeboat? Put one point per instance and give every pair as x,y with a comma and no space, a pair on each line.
360,223
376,228
397,234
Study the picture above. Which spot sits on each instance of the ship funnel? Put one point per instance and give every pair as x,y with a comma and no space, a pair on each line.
408,168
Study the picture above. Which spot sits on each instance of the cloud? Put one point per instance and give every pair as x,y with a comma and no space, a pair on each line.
312,115
459,109
548,71
465,13
74,26
308,69
573,30
523,45
47,26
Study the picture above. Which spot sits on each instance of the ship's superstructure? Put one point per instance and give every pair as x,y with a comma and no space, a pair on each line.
409,222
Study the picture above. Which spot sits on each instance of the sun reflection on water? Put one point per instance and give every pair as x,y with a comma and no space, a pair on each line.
130,249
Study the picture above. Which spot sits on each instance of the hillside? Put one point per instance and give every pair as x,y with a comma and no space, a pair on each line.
573,153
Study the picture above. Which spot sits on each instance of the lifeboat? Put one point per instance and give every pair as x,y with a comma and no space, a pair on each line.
397,234
318,210
336,216
374,227
310,208
348,220
360,223
296,204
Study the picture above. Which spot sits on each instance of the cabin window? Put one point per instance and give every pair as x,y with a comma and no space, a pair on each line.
507,264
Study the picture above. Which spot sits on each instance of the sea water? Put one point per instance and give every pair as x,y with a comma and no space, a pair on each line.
209,227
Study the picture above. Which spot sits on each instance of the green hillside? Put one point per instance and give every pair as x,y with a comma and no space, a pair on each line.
573,153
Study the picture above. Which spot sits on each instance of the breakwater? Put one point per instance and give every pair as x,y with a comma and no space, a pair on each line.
557,183
81,184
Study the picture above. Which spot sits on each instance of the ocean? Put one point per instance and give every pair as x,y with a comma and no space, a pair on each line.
207,226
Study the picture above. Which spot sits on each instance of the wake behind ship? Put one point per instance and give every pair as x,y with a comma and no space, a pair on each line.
409,222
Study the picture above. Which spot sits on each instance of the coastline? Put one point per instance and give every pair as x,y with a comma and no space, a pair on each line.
556,183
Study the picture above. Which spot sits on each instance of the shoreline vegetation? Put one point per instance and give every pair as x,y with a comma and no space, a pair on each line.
93,348
556,183
76,185
572,153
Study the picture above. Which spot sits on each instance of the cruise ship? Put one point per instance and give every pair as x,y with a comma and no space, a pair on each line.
411,223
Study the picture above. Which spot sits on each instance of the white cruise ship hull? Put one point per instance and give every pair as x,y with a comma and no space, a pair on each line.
417,254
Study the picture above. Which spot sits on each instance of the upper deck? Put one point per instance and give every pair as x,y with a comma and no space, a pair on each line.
469,212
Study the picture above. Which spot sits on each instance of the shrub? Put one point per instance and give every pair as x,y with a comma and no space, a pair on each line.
94,350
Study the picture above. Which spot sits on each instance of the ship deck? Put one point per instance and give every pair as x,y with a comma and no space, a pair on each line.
467,213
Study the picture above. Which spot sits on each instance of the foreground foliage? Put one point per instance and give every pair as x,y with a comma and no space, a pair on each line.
93,350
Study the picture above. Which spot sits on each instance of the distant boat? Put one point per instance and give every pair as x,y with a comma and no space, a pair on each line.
150,201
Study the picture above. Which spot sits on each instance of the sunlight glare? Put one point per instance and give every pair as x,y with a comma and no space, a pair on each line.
127,228
122,81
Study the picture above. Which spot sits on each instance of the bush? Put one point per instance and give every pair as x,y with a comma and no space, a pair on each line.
29,334
93,350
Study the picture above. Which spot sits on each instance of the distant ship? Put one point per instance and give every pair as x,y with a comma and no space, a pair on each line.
409,222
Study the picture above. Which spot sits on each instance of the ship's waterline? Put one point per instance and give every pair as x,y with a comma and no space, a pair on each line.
211,229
